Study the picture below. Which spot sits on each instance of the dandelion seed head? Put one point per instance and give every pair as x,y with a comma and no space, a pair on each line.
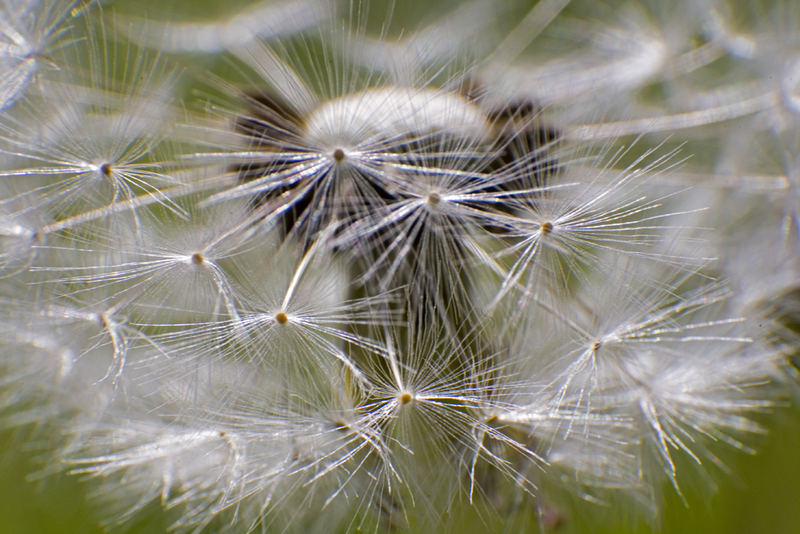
360,282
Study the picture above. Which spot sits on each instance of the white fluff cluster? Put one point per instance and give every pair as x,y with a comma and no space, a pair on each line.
358,277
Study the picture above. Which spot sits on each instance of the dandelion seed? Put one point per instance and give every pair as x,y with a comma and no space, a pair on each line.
19,237
570,227
297,309
262,20
29,33
82,147
178,270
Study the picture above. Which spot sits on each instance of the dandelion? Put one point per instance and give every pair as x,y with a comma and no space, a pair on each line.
375,277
